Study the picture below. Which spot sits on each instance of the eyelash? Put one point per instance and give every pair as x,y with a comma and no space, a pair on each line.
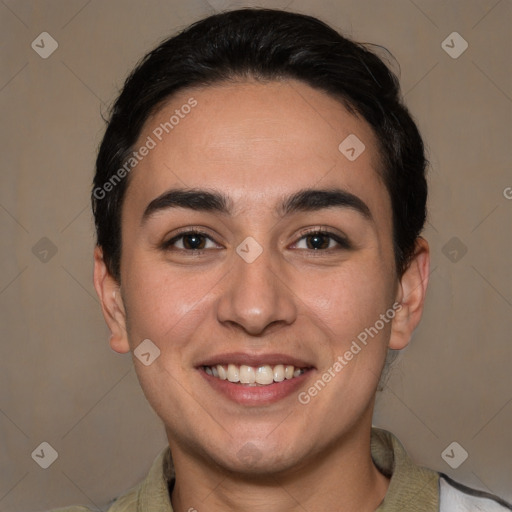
342,242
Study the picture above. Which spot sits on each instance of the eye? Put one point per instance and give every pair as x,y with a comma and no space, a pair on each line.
192,241
321,240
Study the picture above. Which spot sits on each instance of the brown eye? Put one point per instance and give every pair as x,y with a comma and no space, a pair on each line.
322,241
193,241
317,241
190,241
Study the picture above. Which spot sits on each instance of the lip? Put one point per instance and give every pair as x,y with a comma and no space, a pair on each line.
240,358
256,395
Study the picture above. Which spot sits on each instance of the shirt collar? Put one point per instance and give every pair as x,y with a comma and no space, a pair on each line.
153,492
412,488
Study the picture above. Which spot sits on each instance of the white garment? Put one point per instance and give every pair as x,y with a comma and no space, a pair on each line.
453,499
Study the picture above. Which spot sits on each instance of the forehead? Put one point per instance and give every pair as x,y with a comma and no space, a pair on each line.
257,141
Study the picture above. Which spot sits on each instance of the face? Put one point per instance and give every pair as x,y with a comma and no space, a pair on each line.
252,243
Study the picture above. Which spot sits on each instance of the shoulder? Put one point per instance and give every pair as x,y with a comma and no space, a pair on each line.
455,497
125,503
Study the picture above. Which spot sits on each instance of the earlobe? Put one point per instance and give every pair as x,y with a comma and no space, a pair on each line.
411,295
108,290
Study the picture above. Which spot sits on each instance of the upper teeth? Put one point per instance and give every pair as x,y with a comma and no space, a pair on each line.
244,374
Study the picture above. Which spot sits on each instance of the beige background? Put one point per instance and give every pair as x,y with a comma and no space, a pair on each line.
59,380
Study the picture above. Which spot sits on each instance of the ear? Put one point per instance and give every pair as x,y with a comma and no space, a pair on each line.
411,295
109,293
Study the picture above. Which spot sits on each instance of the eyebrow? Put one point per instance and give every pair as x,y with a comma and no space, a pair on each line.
305,200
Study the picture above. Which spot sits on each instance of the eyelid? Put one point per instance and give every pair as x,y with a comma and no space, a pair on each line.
166,245
341,239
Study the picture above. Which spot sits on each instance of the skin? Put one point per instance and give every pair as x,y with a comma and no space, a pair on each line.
258,143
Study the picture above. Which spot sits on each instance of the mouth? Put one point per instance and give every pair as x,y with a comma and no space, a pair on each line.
255,380
262,375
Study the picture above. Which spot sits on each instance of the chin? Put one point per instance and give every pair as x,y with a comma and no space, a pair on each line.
253,462
257,457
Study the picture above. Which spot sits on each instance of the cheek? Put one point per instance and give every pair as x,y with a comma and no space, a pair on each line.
350,299
348,307
166,305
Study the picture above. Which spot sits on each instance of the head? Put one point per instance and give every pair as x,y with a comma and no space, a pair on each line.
259,197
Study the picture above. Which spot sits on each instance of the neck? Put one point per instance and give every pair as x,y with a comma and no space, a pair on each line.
341,478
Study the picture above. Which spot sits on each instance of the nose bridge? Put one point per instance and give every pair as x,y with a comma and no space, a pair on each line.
255,295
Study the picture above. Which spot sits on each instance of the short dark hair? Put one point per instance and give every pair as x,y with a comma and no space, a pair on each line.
267,44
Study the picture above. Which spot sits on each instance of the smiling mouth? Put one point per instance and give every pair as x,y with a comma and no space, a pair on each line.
263,375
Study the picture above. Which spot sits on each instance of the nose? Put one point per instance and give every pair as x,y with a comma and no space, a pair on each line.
255,296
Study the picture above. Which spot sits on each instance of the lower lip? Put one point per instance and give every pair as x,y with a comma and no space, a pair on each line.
256,395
